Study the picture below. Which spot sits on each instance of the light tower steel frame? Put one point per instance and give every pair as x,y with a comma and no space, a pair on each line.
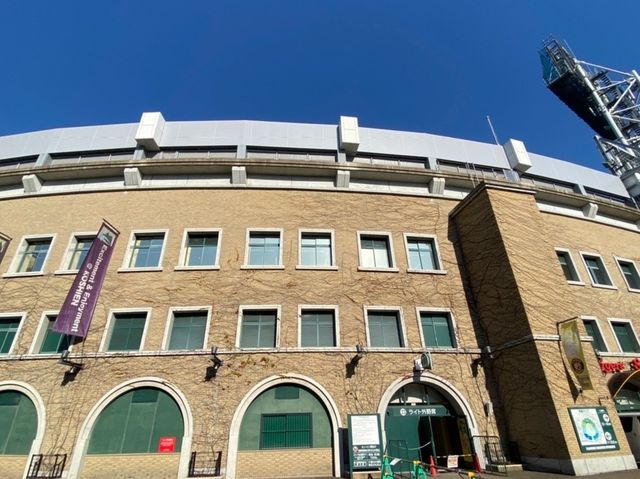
615,95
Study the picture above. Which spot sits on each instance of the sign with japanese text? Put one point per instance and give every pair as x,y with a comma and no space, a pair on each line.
167,444
365,442
422,410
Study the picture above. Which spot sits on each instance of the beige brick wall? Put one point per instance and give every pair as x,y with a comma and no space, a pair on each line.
12,467
285,463
130,466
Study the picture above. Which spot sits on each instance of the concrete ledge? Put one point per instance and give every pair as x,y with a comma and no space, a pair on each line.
581,467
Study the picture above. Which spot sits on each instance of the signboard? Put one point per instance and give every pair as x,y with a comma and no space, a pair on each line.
167,444
77,310
594,429
365,442
422,410
4,245
572,346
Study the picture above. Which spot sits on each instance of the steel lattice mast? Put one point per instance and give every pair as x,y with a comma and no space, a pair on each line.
608,100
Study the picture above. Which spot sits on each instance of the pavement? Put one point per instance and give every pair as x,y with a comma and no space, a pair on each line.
529,475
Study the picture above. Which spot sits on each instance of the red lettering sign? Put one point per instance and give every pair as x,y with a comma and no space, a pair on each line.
611,367
635,364
167,444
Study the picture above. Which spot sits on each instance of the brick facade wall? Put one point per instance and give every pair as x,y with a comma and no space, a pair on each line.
281,463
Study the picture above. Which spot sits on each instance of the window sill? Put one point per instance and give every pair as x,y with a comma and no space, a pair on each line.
378,270
197,268
575,283
427,271
619,354
62,272
267,266
317,268
633,290
391,349
139,270
23,275
604,286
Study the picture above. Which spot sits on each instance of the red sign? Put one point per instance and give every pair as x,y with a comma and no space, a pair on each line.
619,366
167,444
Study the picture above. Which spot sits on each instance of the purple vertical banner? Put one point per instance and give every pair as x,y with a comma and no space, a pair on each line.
77,310
4,245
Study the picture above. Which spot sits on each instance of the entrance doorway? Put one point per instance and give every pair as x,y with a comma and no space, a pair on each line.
421,423
625,389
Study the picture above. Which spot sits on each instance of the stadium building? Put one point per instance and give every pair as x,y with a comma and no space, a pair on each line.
274,283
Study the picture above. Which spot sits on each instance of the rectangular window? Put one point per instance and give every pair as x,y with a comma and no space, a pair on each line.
568,268
78,252
316,249
317,328
258,329
127,330
375,251
201,249
437,330
385,329
146,250
53,342
422,253
290,431
188,330
626,337
597,270
8,330
264,248
32,255
629,273
591,326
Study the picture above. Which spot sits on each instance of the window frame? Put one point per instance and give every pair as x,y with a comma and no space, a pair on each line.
452,324
393,268
166,340
336,324
22,248
618,259
594,320
73,240
579,282
585,254
611,322
23,317
280,232
403,330
436,253
182,266
331,233
125,268
108,330
41,331
258,307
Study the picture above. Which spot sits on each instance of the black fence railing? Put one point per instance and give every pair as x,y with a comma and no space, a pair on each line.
494,453
46,466
205,464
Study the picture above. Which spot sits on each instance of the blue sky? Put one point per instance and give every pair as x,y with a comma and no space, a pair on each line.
432,66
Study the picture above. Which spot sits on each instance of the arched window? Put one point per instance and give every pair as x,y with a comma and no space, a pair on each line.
135,422
287,416
18,423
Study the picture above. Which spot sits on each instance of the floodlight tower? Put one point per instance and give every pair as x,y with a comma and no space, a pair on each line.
607,100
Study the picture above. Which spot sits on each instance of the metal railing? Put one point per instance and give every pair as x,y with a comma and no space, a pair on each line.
493,452
46,466
205,464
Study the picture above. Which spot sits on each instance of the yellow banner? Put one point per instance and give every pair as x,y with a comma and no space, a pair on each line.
570,338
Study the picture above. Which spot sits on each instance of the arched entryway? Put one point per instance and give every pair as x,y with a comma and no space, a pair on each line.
625,391
427,418
285,427
142,425
21,426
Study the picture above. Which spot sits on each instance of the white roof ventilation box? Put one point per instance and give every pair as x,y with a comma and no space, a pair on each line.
517,155
349,135
150,130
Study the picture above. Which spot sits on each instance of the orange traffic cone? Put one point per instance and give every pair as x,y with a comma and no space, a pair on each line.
433,471
476,463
